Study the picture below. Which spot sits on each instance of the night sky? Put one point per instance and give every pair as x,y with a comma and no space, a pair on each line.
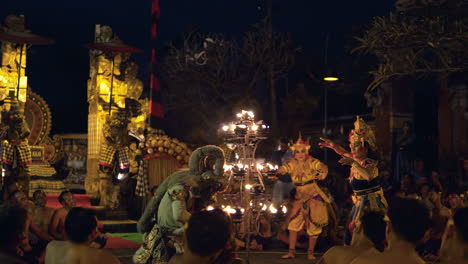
59,72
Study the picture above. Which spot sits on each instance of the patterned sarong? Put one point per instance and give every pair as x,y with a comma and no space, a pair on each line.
106,158
155,248
142,186
11,151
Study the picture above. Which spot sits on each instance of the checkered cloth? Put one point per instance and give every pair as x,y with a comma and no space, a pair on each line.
11,152
142,186
41,170
48,186
107,156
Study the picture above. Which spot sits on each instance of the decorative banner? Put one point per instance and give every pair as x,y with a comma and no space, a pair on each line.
155,106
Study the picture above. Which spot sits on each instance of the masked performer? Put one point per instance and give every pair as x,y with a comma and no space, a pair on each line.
170,208
309,208
364,174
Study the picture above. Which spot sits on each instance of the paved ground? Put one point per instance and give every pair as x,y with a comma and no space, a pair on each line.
267,257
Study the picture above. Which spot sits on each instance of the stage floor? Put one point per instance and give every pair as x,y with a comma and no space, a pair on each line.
256,257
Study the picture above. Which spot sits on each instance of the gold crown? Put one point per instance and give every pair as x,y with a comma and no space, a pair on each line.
362,132
300,143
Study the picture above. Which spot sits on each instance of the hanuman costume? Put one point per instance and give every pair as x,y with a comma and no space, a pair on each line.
304,174
170,208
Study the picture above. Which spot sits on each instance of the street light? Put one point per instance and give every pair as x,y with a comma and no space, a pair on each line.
330,78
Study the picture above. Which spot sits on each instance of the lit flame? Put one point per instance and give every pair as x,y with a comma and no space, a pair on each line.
242,126
210,208
248,186
259,166
242,210
284,209
240,165
254,127
227,167
233,126
269,166
250,114
239,115
229,210
273,210
121,176
264,207
225,128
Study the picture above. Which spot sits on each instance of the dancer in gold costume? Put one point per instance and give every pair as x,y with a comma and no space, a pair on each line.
364,174
309,210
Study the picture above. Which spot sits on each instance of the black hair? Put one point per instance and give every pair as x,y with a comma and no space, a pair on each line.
208,232
410,219
36,192
12,224
62,194
12,195
461,223
374,227
79,224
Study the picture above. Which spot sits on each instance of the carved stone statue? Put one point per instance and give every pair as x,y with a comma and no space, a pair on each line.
16,154
10,56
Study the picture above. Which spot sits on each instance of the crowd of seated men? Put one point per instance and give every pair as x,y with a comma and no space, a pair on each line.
44,227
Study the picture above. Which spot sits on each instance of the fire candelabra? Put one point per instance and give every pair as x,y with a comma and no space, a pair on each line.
249,199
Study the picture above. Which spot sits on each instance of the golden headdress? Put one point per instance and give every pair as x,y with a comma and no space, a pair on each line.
362,132
300,143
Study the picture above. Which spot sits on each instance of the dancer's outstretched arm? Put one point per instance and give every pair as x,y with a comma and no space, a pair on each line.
326,143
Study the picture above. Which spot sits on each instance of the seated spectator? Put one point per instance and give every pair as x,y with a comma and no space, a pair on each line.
455,247
436,182
42,215
409,223
263,237
56,228
425,195
454,201
81,230
206,237
368,238
387,183
9,187
12,229
407,189
33,246
418,173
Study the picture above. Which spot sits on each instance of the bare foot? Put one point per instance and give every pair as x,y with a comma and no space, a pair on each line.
310,255
290,254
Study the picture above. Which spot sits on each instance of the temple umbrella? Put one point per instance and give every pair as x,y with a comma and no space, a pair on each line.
113,49
23,38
